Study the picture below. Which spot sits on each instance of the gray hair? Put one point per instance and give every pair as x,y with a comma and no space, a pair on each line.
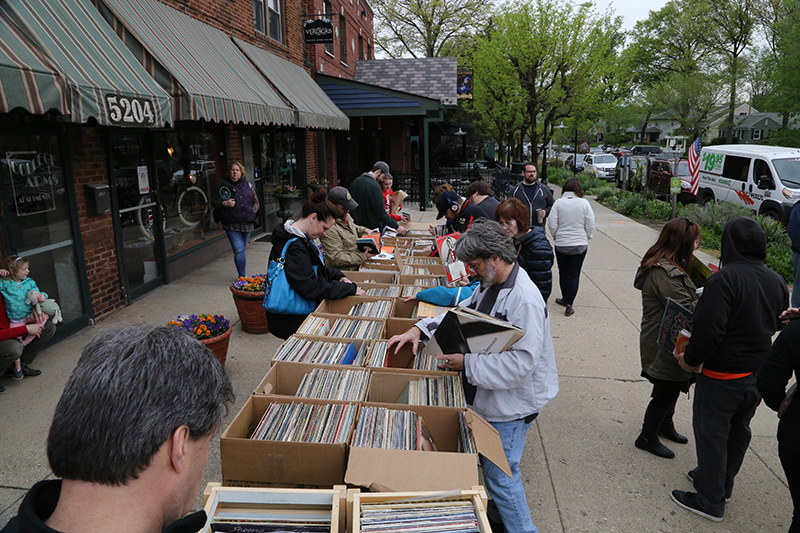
132,387
485,239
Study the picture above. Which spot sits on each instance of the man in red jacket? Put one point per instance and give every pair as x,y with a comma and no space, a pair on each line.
11,349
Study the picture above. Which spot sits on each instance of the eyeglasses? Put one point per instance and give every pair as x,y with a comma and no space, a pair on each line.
473,267
508,223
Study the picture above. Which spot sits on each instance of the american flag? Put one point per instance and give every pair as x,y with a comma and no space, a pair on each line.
694,164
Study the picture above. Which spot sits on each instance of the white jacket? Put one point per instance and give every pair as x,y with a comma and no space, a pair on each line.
521,381
571,221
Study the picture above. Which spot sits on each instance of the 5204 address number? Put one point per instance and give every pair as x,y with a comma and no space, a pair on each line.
132,111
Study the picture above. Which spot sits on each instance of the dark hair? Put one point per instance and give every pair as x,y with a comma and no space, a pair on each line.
437,192
573,185
675,243
480,187
514,209
319,205
132,387
485,239
530,164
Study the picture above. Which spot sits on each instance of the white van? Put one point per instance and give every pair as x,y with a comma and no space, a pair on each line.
763,178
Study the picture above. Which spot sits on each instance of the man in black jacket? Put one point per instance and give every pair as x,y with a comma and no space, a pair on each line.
534,195
458,211
371,209
732,332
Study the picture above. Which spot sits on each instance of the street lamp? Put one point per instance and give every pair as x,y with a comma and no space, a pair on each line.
463,134
561,126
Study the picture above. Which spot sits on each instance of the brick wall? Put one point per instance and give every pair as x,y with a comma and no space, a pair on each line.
89,165
357,24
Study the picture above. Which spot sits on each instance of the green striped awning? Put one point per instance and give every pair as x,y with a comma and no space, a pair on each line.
218,81
28,80
103,79
314,108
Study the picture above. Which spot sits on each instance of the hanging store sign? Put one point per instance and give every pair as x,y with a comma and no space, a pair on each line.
465,83
316,31
35,178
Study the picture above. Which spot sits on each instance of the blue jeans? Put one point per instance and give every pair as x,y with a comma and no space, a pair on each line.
796,284
239,244
508,493
569,275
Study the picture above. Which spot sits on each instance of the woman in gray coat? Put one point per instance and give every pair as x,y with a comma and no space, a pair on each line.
664,273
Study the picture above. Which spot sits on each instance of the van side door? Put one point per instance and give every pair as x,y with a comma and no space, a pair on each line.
736,172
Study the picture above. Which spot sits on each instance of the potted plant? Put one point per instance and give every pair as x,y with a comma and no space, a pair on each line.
286,190
212,330
286,195
315,185
248,295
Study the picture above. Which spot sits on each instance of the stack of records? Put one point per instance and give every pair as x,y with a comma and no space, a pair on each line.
376,309
304,422
392,429
466,441
299,350
347,328
328,384
377,355
454,516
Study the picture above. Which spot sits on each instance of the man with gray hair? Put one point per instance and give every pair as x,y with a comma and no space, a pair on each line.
512,387
130,436
366,191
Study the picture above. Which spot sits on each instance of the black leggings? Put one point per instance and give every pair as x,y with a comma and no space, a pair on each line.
665,393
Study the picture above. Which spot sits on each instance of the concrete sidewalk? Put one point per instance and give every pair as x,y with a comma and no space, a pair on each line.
582,472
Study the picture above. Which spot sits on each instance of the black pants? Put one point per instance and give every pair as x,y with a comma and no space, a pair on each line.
722,412
569,275
789,453
665,393
284,326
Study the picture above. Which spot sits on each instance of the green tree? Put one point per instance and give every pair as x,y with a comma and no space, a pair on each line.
690,97
426,28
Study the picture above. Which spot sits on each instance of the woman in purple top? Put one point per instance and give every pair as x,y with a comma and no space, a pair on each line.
238,214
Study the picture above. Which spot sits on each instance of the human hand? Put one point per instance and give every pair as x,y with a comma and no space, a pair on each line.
34,329
229,203
686,367
344,279
401,230
360,292
369,254
451,361
409,298
406,217
431,230
4,273
792,312
412,336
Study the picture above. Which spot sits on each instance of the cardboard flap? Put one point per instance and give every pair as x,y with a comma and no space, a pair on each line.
487,441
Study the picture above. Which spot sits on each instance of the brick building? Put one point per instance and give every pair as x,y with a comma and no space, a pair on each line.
118,118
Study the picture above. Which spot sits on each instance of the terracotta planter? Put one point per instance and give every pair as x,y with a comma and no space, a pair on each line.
219,345
250,306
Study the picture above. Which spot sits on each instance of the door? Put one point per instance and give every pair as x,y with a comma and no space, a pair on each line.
138,218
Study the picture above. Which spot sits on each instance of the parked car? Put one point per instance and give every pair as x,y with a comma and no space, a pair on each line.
596,150
577,160
635,175
619,152
603,165
660,176
645,149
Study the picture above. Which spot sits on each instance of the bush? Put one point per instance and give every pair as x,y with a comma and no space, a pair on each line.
558,176
776,233
779,259
632,205
659,210
603,195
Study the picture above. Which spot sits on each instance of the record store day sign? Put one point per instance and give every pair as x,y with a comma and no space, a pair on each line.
34,179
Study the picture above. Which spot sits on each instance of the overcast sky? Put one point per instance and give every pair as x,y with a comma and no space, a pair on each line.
630,10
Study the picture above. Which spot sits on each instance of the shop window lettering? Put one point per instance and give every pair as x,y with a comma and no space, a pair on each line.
33,178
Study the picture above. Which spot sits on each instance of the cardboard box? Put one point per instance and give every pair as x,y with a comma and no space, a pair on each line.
383,266
397,326
404,470
410,279
332,319
429,270
372,275
344,305
355,499
332,502
260,463
386,385
404,309
366,286
284,378
356,342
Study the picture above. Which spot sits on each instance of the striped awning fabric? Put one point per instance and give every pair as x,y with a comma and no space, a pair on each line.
102,78
315,109
219,81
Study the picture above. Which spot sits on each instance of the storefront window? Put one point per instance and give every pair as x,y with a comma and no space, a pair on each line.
36,217
188,164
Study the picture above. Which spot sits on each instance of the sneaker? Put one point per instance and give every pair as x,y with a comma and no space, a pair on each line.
688,500
17,374
690,475
569,311
29,372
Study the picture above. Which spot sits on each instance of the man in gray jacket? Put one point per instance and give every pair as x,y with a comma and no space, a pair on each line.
512,387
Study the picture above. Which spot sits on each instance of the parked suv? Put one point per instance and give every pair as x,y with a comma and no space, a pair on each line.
661,173
602,164
644,149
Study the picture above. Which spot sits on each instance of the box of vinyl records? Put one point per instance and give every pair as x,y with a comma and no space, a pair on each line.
422,270
463,510
342,326
397,447
383,290
437,388
320,350
360,306
398,326
423,280
374,276
287,442
310,380
266,509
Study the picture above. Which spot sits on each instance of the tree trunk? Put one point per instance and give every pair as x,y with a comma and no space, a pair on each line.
731,105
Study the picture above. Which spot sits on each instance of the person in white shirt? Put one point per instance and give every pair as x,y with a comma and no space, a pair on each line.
571,224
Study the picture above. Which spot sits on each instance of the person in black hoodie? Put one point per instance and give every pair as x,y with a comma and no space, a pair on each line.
732,332
302,255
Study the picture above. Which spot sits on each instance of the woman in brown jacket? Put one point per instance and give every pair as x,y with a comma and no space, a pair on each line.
664,273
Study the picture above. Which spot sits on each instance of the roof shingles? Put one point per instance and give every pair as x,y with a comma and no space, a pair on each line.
432,77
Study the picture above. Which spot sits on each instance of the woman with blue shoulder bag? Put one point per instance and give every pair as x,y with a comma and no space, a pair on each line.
297,278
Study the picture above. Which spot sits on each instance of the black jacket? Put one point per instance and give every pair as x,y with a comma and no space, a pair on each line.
535,256
40,502
783,361
468,214
301,257
738,312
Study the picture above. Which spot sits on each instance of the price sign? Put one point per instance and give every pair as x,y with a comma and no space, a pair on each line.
675,185
130,110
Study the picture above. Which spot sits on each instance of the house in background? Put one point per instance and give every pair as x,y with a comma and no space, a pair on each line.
756,127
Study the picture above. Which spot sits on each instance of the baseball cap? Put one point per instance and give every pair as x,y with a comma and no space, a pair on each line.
383,167
341,196
446,201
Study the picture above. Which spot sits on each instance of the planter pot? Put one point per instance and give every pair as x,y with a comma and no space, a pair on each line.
250,306
286,201
219,345
317,187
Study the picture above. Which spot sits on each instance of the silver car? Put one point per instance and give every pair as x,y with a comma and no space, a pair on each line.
602,165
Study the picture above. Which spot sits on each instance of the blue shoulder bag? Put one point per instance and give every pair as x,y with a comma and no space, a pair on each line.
279,297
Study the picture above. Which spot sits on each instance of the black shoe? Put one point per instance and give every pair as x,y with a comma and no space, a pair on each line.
690,475
560,301
688,500
29,372
654,446
569,311
497,527
2,389
668,432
